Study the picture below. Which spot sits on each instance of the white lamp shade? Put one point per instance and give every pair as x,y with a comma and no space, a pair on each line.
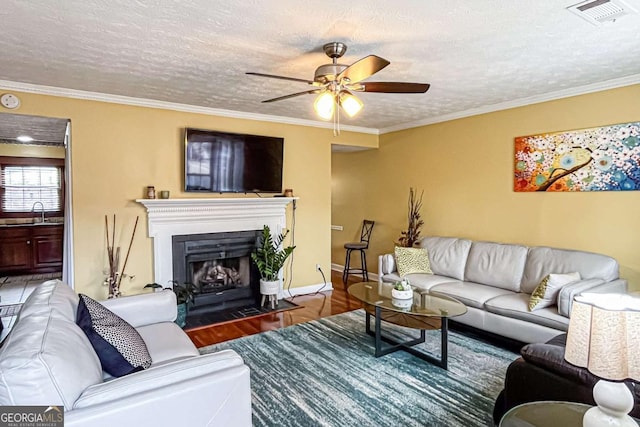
350,103
604,335
325,105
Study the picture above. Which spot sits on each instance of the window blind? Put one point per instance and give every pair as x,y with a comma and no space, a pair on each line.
26,185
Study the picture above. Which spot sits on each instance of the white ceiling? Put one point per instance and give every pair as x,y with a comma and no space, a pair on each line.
474,53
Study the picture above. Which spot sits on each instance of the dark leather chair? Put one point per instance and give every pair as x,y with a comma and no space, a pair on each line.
543,374
362,245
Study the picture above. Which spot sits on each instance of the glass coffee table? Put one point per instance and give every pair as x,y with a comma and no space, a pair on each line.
423,312
545,414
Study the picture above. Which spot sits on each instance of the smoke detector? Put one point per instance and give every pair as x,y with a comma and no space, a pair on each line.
599,12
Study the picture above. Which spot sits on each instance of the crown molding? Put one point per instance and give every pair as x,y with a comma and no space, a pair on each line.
550,96
185,108
150,103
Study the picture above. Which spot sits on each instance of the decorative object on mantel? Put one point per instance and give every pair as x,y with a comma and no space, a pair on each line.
185,294
270,257
151,192
164,194
596,159
409,237
114,278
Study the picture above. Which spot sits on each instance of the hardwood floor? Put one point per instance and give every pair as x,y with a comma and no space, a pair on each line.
313,307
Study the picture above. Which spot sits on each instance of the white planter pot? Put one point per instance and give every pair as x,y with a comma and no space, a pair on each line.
396,294
269,287
402,303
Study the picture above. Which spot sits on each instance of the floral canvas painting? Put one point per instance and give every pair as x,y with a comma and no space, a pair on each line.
597,159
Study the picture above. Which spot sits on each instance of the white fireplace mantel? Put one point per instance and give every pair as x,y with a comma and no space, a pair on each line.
176,217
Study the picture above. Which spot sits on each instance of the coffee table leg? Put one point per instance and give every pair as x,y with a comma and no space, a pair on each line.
368,323
445,342
378,339
407,346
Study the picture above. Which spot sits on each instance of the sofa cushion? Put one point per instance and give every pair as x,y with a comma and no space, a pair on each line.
550,356
516,305
119,346
46,360
542,261
468,293
412,260
167,342
496,264
421,281
546,293
447,255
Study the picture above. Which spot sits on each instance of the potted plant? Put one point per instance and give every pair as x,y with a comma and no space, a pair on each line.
270,257
185,294
402,290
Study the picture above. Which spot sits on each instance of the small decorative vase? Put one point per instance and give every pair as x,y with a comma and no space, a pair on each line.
181,320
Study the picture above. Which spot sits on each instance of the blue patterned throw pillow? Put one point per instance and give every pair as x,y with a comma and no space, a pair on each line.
119,346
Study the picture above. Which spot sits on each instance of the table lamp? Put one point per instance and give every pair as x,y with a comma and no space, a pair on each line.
604,337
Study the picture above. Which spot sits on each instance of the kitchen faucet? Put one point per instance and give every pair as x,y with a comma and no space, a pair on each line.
33,209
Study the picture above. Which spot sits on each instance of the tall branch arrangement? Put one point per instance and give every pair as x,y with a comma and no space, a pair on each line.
114,278
412,234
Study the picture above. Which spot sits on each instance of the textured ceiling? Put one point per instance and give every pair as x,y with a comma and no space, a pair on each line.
43,130
475,53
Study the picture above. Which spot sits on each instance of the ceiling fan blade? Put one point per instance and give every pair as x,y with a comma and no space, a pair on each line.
280,98
282,77
363,68
394,87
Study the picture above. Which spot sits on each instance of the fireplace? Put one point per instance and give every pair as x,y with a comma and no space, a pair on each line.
169,218
220,268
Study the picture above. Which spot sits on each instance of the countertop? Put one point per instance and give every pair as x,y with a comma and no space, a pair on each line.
32,224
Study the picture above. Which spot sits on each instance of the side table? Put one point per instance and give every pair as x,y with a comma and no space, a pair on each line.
545,414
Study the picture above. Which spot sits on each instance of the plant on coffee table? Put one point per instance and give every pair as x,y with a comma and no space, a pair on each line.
402,290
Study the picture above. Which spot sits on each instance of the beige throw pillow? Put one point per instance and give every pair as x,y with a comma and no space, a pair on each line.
546,293
412,260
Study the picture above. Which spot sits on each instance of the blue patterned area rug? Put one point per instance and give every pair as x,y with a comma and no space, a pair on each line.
323,373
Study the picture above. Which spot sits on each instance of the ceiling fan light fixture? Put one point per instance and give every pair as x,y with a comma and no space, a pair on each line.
325,105
350,103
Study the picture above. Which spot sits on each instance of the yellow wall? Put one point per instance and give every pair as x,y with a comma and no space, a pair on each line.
465,168
24,150
118,150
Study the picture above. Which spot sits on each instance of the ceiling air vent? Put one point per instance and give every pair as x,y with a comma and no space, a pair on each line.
599,12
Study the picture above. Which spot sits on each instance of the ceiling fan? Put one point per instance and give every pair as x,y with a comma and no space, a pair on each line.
334,83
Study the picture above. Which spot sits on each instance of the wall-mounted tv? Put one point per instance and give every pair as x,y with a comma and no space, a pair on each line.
223,162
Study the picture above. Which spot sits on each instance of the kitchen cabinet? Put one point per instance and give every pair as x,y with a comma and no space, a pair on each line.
31,249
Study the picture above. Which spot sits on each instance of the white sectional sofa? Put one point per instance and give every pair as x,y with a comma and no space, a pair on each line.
495,282
47,360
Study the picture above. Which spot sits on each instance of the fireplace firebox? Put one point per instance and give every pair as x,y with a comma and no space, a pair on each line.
220,268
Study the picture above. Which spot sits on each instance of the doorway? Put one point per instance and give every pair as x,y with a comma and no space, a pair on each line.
35,207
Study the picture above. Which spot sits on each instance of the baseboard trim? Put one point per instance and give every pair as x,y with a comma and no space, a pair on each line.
304,290
338,267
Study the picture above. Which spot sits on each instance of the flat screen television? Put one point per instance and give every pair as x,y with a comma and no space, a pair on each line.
223,162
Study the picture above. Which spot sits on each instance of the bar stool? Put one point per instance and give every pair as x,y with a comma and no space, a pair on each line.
365,235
